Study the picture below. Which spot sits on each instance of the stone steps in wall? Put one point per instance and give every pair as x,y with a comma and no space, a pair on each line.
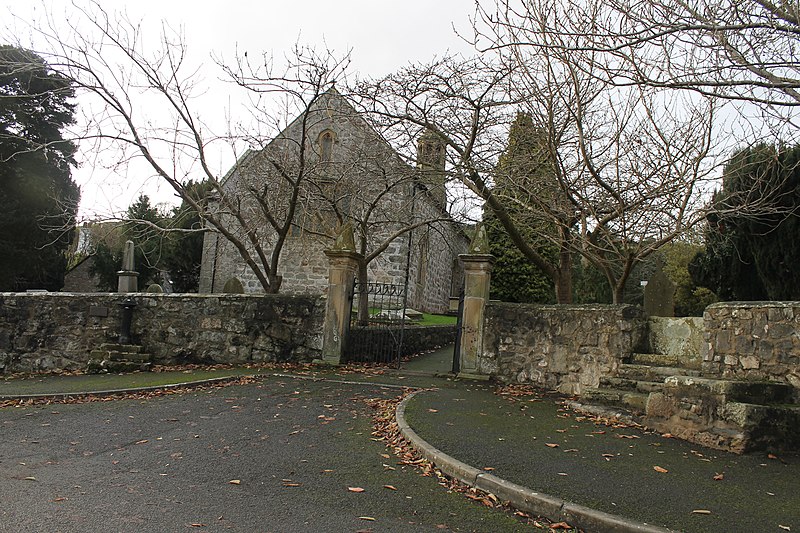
642,372
655,359
118,358
105,366
632,385
752,392
634,401
127,348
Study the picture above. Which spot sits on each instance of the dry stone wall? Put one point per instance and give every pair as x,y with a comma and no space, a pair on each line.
561,347
58,330
753,340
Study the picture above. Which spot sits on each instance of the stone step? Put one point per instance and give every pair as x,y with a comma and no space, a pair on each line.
114,347
631,385
640,372
634,401
767,426
751,392
655,359
129,356
121,356
104,366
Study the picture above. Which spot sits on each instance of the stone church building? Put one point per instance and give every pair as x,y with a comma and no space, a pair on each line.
342,171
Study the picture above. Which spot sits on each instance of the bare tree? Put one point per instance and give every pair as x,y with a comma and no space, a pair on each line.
739,50
629,162
675,57
143,105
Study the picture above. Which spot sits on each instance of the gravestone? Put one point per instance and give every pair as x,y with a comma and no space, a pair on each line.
659,295
127,277
233,286
155,288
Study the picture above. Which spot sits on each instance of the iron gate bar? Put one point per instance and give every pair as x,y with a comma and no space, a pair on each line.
377,337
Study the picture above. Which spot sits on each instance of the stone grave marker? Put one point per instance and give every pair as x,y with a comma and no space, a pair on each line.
659,295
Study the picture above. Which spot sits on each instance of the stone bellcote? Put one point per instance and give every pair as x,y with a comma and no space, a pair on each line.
431,163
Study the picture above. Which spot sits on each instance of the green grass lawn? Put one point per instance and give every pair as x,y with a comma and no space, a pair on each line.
427,319
55,384
437,320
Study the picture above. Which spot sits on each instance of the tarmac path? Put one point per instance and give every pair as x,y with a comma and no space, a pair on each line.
275,456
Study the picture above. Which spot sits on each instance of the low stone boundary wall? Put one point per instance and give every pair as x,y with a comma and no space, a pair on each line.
58,330
753,340
561,347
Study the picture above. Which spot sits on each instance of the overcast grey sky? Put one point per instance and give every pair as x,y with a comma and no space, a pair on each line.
383,36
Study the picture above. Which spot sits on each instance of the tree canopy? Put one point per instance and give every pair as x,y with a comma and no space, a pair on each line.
168,244
37,192
752,255
523,169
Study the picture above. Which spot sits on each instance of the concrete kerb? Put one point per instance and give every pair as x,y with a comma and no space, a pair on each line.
519,497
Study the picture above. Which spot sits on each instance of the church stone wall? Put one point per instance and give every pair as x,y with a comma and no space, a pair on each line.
363,167
438,247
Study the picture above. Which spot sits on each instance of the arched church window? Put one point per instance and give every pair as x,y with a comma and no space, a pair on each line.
326,140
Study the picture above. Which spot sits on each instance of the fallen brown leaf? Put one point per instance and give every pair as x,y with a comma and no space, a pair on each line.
235,482
719,477
368,518
551,445
660,470
355,489
701,511
560,525
390,487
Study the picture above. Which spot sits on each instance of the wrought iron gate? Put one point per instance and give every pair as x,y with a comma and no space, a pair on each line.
377,323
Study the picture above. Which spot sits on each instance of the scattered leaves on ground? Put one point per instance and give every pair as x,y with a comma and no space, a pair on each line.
385,426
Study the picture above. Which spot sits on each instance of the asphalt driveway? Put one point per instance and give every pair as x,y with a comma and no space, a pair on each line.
280,455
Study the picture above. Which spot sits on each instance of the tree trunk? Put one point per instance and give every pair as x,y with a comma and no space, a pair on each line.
618,293
564,278
274,283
